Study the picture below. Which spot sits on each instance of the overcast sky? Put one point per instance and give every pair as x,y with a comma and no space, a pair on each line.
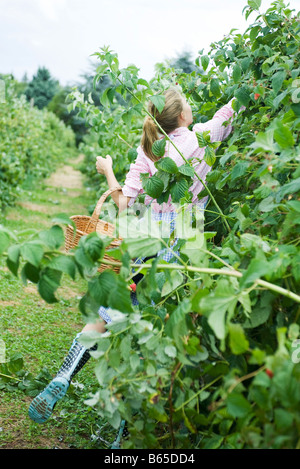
62,34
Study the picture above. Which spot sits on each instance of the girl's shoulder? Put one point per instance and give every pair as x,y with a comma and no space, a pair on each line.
143,161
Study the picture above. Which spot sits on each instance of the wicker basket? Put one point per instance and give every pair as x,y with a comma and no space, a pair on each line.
87,224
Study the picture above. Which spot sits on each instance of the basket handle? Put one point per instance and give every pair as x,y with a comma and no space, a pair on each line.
96,213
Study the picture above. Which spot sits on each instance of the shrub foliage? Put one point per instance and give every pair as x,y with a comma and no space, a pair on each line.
32,143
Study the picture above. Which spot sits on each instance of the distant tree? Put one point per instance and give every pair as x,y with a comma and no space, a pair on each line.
184,62
41,88
59,106
59,102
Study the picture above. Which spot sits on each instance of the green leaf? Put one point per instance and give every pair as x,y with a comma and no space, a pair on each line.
13,258
127,116
176,324
165,177
283,419
145,246
277,80
216,319
119,296
237,405
100,287
171,351
193,246
202,140
158,101
159,147
32,252
63,219
204,61
215,87
174,281
264,141
48,284
261,312
104,98
253,33
134,361
29,272
237,340
296,267
283,135
243,95
143,82
16,363
53,238
187,170
239,170
101,69
257,268
276,101
94,246
255,4
296,109
209,156
267,205
214,442
289,188
179,189
245,63
132,154
153,186
236,73
101,371
216,304
125,347
64,264
168,165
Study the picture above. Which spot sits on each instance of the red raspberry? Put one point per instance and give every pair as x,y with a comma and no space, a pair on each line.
133,287
269,373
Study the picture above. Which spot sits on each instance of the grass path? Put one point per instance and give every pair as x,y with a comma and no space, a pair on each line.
40,332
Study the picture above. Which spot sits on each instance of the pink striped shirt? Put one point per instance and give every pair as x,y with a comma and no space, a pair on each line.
186,141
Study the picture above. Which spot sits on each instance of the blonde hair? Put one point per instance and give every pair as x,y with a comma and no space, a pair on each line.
167,119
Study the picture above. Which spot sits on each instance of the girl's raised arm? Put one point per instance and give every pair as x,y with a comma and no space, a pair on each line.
218,131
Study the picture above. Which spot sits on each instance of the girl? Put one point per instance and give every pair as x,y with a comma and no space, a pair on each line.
175,119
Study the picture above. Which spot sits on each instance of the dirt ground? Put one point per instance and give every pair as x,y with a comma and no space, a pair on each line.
67,176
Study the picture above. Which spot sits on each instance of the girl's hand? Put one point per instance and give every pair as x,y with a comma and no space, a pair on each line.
103,165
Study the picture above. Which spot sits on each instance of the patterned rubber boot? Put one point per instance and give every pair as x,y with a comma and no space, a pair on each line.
42,405
122,433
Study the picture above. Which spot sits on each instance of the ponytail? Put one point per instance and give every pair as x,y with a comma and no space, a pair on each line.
167,119
150,135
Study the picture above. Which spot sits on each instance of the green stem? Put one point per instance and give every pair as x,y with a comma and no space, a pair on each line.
197,394
178,288
10,377
122,140
209,271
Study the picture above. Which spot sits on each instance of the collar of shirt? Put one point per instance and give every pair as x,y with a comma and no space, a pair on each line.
175,133
178,131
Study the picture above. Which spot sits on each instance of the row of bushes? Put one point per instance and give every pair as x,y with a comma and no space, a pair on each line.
32,143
